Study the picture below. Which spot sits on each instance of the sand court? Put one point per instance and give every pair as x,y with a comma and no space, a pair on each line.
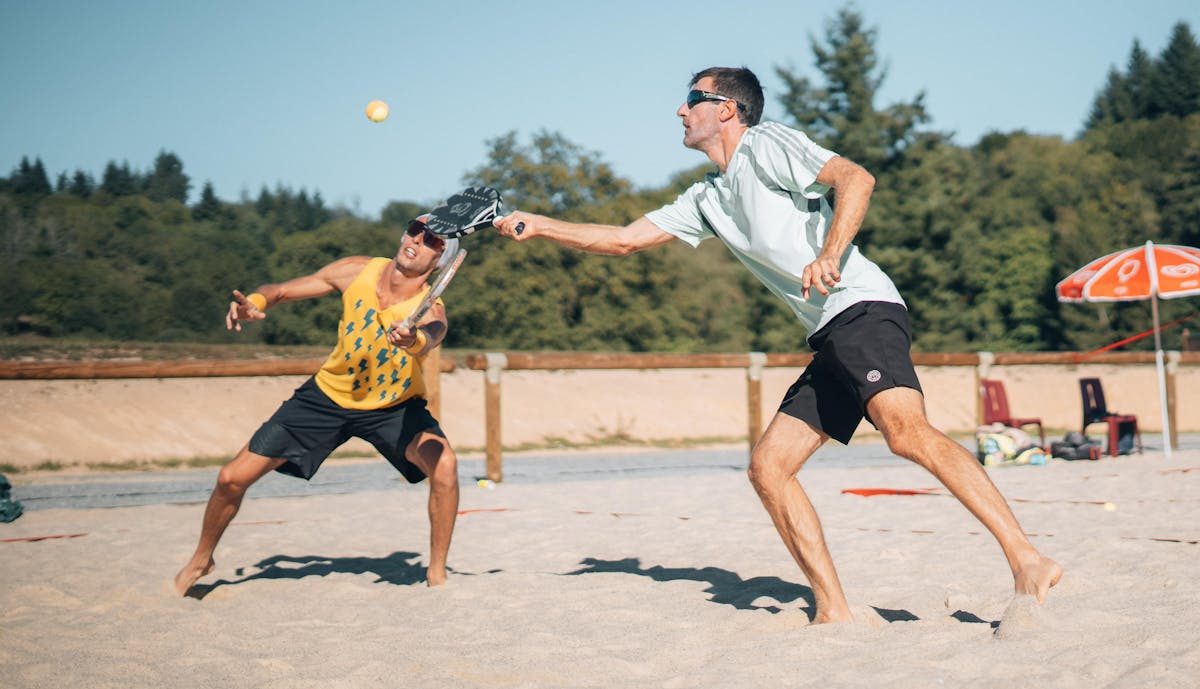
625,579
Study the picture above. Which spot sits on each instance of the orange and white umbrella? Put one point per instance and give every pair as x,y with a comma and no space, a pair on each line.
1149,271
1144,272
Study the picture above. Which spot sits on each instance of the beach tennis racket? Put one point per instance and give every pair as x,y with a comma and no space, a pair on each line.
439,286
471,209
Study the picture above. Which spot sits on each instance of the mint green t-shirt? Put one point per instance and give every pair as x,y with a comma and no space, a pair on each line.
773,215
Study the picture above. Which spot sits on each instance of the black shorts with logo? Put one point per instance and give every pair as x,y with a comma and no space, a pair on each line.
309,426
862,351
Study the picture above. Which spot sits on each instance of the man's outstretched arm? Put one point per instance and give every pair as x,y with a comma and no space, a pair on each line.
610,240
252,307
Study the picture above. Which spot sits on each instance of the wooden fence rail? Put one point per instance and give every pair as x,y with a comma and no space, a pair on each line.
200,368
493,363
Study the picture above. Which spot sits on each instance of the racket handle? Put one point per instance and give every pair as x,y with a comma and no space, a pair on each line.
520,227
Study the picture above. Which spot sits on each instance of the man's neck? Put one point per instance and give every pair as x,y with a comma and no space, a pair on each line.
398,283
722,153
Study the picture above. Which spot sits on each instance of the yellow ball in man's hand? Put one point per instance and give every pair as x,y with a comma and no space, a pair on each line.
377,111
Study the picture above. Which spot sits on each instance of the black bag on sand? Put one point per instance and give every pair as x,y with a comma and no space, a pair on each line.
1075,445
9,509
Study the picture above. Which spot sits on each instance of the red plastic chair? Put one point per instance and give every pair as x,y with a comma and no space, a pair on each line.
995,409
1096,411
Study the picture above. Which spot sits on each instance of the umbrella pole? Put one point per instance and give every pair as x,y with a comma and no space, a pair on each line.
1162,379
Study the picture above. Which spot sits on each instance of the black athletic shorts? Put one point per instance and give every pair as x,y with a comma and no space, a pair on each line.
862,351
309,426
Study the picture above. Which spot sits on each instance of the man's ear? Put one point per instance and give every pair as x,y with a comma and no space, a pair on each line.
728,110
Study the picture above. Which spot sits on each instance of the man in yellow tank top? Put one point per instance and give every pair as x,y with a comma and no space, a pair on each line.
371,387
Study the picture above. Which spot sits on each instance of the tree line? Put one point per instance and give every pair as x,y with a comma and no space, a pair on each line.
974,236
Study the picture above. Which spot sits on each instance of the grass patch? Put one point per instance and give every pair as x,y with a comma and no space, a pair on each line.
611,440
37,348
548,443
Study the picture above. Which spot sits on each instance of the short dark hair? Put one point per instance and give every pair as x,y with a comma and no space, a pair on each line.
740,84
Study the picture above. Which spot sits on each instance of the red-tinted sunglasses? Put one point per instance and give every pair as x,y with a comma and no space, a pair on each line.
431,240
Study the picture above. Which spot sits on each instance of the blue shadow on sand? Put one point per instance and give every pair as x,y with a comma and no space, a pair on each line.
398,568
728,588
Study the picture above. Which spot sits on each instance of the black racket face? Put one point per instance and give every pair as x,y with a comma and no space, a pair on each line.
465,212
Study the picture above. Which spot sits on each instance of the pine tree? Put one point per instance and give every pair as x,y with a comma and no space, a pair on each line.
209,207
119,180
167,180
265,203
30,179
1151,88
82,185
1177,89
842,115
1114,102
1141,85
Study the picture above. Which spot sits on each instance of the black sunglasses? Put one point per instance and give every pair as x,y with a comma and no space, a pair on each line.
696,97
431,240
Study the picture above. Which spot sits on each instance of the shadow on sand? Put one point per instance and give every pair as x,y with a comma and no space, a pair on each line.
728,588
398,568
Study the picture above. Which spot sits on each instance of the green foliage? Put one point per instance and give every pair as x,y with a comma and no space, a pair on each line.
1177,87
119,180
1151,88
291,212
209,207
537,295
974,237
28,180
841,115
167,180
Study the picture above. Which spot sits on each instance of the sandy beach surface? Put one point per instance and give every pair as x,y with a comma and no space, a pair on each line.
614,569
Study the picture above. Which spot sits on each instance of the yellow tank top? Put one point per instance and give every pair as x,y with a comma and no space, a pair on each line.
364,371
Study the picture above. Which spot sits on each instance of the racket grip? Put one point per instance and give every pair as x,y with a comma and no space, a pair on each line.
520,227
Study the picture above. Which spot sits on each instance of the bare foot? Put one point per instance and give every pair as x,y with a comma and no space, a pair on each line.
435,577
1036,577
832,616
190,573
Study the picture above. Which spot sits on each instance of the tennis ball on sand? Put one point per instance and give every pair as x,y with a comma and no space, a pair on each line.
377,111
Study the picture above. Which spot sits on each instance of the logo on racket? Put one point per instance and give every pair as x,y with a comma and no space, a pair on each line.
874,375
460,209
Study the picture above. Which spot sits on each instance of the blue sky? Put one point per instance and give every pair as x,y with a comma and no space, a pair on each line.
253,93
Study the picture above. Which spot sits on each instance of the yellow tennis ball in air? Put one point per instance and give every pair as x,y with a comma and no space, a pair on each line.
377,111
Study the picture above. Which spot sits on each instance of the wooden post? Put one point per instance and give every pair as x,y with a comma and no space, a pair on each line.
754,374
982,370
1172,368
491,402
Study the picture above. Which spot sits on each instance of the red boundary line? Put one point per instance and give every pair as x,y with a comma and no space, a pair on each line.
34,539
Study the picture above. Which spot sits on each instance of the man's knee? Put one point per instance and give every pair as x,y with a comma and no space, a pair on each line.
231,480
903,444
766,470
784,448
437,459
920,443
445,470
238,475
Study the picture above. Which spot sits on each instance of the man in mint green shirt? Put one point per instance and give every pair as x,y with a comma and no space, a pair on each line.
767,204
